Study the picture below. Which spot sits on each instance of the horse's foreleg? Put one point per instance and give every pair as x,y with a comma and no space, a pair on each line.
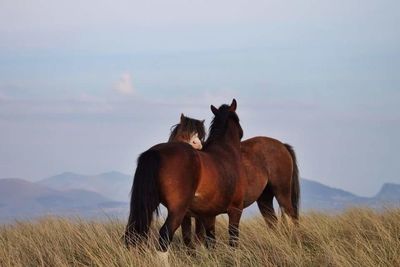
187,230
174,219
200,231
209,225
234,215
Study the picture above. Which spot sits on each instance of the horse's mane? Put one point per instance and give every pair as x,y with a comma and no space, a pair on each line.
219,124
188,126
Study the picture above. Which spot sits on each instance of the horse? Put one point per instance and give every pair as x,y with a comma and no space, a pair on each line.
204,182
270,170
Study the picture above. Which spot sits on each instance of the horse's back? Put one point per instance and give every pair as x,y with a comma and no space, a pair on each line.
265,147
175,150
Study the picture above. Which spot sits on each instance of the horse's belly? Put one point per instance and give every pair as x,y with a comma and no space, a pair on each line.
256,181
207,203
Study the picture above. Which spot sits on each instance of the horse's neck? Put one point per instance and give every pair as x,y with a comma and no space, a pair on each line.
226,145
232,138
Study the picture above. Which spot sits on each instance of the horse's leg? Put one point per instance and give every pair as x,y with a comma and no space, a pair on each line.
178,184
209,225
265,204
283,196
187,230
234,214
200,231
174,219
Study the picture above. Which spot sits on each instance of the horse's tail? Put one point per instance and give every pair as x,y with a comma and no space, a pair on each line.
145,197
295,181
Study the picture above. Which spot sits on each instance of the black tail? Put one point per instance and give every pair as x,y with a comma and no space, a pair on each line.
144,197
295,182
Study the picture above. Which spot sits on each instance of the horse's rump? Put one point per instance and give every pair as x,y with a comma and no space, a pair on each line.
179,171
264,160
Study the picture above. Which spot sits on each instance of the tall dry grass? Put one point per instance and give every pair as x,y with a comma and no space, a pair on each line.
358,237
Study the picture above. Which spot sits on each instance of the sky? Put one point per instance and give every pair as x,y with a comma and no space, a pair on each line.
85,86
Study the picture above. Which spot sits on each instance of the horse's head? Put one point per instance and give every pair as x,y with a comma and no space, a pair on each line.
195,142
225,120
188,130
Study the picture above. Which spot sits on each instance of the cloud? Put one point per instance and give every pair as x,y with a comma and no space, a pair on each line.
124,86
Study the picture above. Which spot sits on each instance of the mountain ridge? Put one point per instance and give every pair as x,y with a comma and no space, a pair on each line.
111,184
21,199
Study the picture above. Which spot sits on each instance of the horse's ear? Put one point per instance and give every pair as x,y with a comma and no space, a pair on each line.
202,121
233,105
182,117
214,110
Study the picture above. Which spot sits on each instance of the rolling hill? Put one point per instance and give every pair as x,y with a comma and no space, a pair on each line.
113,185
20,199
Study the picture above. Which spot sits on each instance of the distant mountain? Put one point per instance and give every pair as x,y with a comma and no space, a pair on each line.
314,195
20,199
389,192
108,193
317,196
113,185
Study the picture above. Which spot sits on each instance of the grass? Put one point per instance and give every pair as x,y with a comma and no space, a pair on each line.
357,237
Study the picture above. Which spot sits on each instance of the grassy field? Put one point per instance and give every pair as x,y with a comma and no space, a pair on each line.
358,237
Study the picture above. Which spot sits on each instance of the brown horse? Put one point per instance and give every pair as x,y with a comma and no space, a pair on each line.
270,170
205,183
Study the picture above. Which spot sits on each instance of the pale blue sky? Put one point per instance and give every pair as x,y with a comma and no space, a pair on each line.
86,86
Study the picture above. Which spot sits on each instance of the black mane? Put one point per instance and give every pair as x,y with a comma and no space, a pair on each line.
219,123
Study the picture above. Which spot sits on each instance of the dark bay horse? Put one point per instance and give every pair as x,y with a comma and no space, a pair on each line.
205,183
269,168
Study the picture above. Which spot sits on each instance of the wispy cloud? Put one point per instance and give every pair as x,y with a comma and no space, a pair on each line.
124,86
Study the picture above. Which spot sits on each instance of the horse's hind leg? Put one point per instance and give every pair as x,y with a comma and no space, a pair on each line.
283,196
187,230
265,204
174,219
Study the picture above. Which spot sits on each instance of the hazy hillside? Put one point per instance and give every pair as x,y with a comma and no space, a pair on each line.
108,194
22,199
314,195
113,185
389,192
